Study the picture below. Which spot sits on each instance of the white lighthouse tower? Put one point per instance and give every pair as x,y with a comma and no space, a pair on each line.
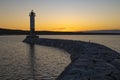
32,25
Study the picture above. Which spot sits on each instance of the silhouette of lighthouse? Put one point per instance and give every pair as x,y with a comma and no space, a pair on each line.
32,23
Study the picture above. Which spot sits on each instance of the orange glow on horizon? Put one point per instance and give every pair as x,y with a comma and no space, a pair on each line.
71,16
62,23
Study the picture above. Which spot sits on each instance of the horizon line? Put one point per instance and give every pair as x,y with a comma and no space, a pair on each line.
63,31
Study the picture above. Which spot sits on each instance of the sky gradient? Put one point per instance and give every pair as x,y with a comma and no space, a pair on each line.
61,15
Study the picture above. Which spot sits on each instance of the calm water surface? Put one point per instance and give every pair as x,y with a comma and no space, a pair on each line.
19,60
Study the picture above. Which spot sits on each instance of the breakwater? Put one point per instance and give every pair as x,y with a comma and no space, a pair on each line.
89,61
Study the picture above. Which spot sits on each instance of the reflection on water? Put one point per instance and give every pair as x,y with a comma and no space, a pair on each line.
21,61
48,62
32,61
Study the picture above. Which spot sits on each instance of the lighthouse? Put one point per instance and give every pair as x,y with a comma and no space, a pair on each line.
32,25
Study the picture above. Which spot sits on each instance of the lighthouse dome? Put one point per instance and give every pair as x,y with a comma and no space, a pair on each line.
32,13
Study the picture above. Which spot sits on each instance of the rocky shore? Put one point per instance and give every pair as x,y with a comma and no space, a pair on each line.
89,61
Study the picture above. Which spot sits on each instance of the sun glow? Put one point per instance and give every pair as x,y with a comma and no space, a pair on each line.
61,16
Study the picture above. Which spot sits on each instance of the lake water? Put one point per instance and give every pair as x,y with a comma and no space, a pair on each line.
19,60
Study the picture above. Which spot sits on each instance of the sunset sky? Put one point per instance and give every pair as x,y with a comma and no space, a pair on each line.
61,15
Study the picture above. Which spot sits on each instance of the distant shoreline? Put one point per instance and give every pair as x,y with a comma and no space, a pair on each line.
21,32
